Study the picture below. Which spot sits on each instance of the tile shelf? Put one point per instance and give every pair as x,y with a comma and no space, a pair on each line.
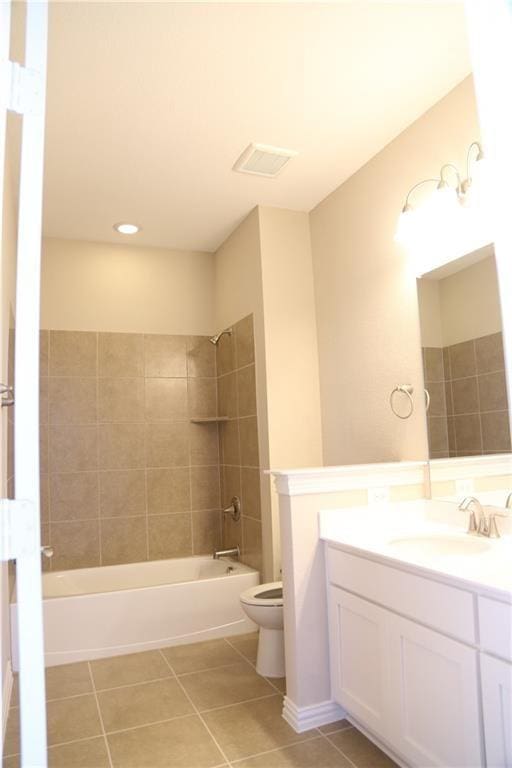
209,420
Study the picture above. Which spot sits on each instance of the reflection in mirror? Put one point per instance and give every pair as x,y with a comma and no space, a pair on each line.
463,360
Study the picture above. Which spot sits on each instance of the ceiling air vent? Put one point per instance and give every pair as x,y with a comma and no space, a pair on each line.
263,160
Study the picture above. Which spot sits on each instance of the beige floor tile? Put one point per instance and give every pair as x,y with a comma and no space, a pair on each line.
338,725
91,753
11,762
225,685
128,670
64,680
360,750
143,704
255,726
198,656
278,682
247,645
317,753
12,733
183,743
71,719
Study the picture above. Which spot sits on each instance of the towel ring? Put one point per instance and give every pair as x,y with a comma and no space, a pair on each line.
427,400
405,389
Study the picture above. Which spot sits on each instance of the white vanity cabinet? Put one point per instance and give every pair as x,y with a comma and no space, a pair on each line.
411,686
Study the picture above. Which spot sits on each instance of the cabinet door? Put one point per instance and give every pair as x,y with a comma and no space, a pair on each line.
497,707
357,643
434,697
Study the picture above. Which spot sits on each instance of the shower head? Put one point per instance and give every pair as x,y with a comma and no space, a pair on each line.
215,339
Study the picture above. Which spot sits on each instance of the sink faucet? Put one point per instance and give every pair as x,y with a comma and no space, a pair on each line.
235,552
477,514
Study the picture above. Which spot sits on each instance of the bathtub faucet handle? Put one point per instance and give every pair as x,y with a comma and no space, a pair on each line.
234,509
47,551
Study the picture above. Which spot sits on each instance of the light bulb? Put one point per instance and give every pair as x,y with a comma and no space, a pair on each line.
126,229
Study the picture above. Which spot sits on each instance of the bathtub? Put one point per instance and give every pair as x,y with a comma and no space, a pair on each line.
91,613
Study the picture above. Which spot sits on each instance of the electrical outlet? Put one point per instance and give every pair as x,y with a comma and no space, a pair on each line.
378,495
464,486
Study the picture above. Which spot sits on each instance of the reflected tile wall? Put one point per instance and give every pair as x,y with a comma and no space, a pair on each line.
239,453
469,407
127,477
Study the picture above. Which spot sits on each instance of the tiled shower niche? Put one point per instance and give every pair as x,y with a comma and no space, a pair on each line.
126,475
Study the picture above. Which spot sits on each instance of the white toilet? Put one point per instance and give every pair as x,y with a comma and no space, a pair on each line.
264,605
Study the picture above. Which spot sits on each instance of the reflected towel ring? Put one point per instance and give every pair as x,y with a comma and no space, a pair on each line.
427,400
405,389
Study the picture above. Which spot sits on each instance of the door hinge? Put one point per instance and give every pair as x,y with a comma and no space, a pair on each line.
19,524
25,89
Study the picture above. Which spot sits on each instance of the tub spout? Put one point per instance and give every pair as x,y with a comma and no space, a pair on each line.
235,552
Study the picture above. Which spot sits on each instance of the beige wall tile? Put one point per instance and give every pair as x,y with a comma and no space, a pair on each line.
462,359
467,434
121,446
202,397
123,540
204,444
227,402
200,356
493,391
249,451
251,499
44,496
489,353
170,536
252,547
122,493
495,431
120,400
73,448
168,490
166,399
72,400
231,484
43,400
436,391
437,433
434,368
231,532
226,354
205,487
165,355
207,532
43,353
465,395
244,335
74,496
167,444
44,451
121,354
73,353
229,442
246,385
75,544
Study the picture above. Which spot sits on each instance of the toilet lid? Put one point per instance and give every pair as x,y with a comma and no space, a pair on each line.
264,594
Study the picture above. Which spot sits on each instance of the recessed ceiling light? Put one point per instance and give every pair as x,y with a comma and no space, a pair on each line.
127,229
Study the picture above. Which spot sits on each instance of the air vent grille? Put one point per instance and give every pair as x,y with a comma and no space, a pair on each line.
263,160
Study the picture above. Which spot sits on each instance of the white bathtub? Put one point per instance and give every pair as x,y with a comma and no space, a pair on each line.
90,613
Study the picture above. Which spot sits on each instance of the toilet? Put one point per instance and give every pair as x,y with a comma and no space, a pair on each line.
264,605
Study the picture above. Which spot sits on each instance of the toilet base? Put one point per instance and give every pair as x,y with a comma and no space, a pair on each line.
270,659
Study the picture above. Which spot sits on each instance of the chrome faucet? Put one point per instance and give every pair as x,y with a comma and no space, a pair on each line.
477,514
235,552
508,503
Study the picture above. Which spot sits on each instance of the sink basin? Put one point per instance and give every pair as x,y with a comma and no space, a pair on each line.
439,546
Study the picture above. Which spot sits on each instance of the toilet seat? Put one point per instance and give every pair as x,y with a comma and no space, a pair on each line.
256,595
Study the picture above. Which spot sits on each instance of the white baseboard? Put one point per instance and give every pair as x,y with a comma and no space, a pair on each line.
6,697
303,718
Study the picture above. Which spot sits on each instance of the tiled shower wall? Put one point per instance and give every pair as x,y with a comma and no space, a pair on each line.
468,412
126,476
239,453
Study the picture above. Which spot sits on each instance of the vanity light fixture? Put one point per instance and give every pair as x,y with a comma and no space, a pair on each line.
126,229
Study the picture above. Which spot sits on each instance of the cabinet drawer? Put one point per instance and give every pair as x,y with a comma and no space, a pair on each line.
495,622
445,608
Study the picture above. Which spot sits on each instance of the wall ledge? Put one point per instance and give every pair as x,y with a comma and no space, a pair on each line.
471,467
313,480
303,718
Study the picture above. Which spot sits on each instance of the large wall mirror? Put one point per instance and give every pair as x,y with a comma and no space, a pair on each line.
463,362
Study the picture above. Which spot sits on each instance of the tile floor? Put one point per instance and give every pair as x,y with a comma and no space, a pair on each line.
191,706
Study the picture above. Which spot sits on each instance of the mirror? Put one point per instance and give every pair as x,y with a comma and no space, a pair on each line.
463,360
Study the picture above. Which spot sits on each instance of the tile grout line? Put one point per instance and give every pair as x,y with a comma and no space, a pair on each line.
306,740
107,746
326,737
253,666
197,712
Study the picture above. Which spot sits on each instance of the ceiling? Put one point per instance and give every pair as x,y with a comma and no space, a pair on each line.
150,104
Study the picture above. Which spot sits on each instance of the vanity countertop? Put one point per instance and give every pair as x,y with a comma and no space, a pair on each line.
428,538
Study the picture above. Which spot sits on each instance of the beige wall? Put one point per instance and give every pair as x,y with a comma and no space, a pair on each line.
367,314
102,287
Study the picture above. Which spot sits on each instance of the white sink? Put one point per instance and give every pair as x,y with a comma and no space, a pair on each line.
439,545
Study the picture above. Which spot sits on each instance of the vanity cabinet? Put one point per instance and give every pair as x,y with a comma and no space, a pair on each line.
497,710
412,686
